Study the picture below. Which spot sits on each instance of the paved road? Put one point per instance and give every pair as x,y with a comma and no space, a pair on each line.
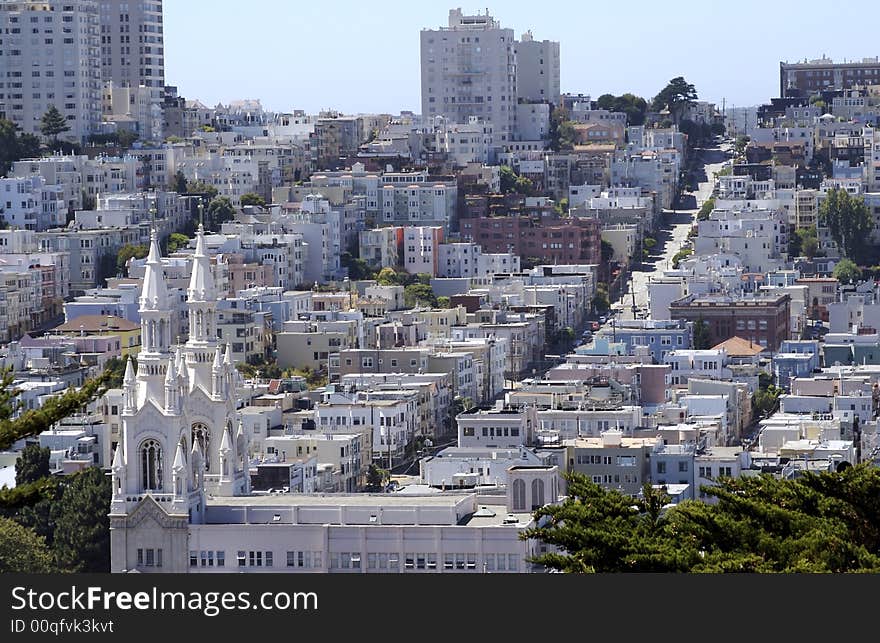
675,229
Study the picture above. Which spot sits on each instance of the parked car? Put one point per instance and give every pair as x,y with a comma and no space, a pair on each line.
594,326
602,319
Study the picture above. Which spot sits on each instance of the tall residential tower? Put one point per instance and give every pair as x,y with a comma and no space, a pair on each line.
476,71
49,55
469,70
132,43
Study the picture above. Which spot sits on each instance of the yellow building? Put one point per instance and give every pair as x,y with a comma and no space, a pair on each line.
101,325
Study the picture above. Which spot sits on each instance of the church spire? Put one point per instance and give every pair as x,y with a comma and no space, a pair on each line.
154,295
201,283
172,390
201,296
129,387
117,469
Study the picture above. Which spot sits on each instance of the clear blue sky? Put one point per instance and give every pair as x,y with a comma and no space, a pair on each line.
363,55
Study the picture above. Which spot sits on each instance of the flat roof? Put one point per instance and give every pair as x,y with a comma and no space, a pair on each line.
345,500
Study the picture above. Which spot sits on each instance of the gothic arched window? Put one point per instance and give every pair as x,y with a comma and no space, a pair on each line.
519,495
202,435
537,494
151,466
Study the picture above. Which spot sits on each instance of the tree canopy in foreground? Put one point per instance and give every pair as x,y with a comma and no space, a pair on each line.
826,522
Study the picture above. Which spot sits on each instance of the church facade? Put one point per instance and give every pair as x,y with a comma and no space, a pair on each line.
181,442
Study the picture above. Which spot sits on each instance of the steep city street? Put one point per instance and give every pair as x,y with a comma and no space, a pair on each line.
673,235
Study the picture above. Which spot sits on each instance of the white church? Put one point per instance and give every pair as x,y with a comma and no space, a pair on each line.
180,442
181,494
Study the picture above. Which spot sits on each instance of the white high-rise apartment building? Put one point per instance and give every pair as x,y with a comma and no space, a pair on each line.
50,55
537,69
469,69
132,43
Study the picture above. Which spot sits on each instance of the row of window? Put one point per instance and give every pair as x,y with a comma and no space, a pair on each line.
493,432
207,558
607,460
683,467
706,472
342,560
149,557
606,479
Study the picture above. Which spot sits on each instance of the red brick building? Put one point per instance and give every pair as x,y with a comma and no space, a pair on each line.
766,320
552,240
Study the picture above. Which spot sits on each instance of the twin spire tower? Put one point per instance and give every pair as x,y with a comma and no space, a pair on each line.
181,441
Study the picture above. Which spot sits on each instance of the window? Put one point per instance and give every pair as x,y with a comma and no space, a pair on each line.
221,559
519,495
193,558
661,467
151,466
537,494
683,467
242,559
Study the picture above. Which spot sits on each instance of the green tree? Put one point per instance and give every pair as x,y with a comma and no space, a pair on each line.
846,272
388,277
810,247
508,179
561,208
129,251
849,222
252,199
177,241
32,464
804,241
114,370
15,146
444,302
706,209
82,532
208,191
827,522
765,401
126,138
249,371
53,124
377,478
635,107
741,143
358,269
419,294
22,551
600,301
607,252
702,335
9,403
33,422
677,96
525,186
561,133
180,184
680,256
219,211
